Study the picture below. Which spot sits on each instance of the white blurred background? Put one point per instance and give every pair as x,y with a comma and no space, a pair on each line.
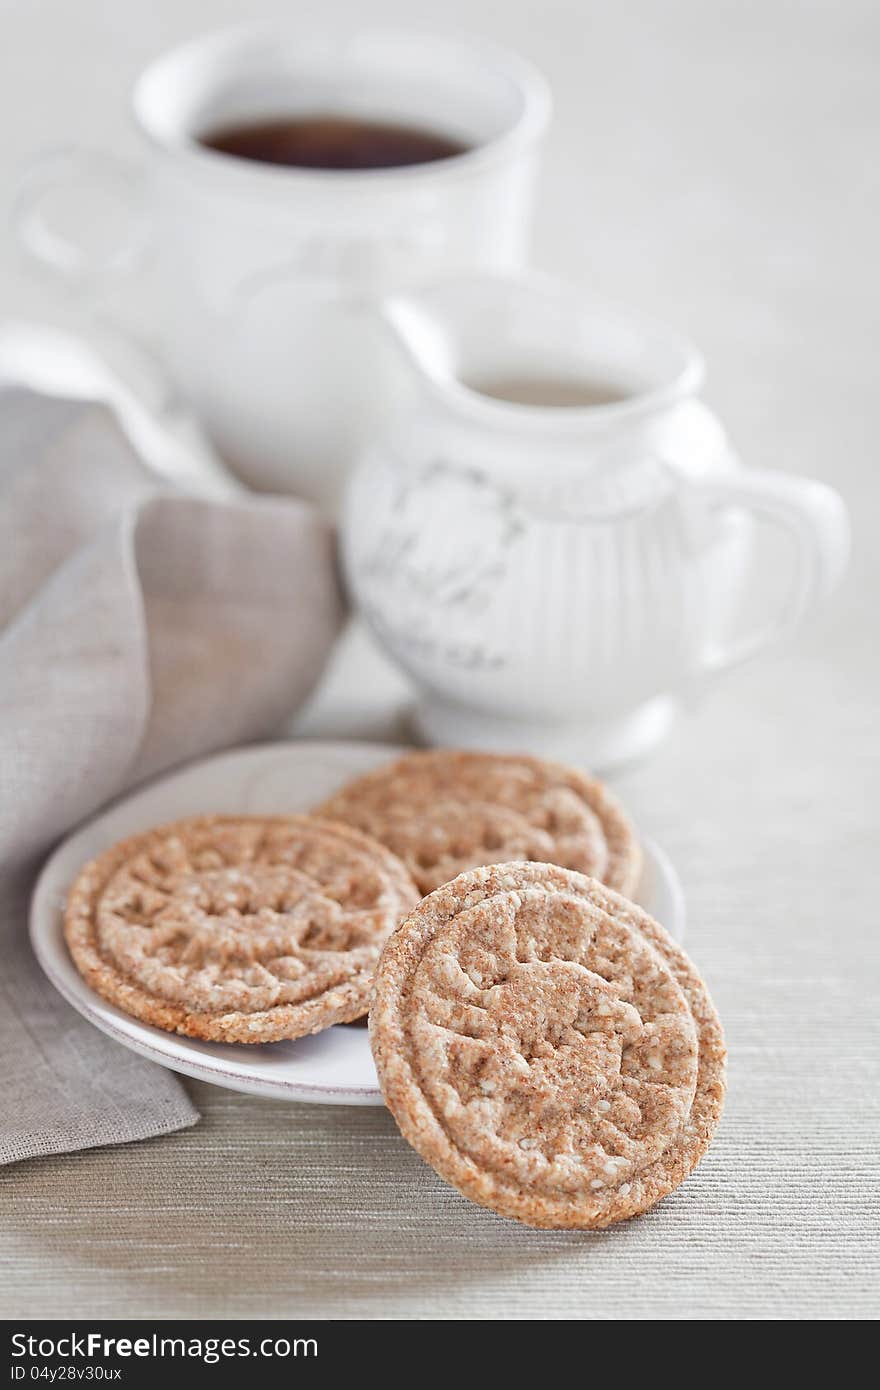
711,163
714,163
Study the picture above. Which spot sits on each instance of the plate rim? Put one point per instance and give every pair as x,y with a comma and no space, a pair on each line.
44,919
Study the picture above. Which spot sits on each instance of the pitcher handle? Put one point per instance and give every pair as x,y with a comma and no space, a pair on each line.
91,174
815,518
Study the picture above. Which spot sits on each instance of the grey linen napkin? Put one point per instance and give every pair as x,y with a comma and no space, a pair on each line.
138,628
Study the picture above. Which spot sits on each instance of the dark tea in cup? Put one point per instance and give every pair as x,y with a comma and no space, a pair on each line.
331,142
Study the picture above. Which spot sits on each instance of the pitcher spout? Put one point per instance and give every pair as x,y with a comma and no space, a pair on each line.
421,336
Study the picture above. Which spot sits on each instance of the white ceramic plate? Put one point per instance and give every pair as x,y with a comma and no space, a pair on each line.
332,1068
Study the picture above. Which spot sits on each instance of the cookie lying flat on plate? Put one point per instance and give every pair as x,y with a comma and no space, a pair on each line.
237,930
443,812
546,1046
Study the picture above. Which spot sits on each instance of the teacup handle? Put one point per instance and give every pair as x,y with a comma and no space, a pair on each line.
815,518
89,174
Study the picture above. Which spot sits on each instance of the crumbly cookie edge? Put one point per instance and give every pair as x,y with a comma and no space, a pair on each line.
422,1129
624,849
343,1003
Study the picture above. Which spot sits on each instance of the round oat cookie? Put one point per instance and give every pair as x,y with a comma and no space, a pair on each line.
244,930
443,812
546,1046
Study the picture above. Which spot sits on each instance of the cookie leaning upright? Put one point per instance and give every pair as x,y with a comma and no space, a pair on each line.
247,929
443,812
546,1046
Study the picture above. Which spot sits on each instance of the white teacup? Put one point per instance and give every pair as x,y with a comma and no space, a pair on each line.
251,274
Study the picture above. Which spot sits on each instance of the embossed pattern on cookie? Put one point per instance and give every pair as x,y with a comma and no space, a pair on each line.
237,930
443,812
546,1046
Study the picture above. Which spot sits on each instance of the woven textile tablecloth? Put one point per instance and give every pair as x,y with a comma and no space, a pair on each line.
767,812
727,181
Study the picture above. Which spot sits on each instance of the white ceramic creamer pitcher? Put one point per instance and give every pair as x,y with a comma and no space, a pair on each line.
554,577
